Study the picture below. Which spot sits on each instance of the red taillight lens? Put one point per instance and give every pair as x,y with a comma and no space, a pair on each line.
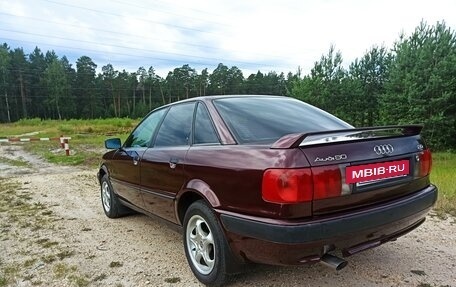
425,163
287,185
301,185
327,181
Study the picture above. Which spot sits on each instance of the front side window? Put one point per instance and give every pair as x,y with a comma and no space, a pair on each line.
143,133
204,129
176,127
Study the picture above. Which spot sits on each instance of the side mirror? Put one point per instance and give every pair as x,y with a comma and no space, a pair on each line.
113,143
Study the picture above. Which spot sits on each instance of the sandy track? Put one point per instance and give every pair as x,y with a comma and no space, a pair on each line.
140,251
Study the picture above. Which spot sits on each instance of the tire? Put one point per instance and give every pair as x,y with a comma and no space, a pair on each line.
109,200
206,248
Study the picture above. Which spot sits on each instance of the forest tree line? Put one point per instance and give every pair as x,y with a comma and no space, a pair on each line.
412,82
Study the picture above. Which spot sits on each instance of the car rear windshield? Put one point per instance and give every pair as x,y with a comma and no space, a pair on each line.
266,119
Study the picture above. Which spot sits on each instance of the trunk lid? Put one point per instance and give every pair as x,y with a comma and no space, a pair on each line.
367,166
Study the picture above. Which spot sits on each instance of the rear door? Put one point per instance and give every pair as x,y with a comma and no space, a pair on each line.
162,166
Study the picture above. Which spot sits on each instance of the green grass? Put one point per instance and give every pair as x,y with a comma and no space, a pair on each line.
172,280
20,162
100,277
8,273
16,208
64,254
114,264
62,270
52,128
443,175
86,143
79,281
46,243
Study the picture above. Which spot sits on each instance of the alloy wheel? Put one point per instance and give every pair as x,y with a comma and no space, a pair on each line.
200,244
106,196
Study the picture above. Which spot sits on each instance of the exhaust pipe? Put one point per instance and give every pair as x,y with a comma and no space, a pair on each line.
333,261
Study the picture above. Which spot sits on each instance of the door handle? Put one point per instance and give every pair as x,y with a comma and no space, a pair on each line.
134,157
173,163
135,160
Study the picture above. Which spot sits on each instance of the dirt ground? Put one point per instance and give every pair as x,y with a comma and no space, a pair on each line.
54,233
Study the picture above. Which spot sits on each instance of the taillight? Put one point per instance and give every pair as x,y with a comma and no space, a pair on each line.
301,185
287,185
425,163
327,181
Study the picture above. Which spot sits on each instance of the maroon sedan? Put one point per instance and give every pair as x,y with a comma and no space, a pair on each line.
268,179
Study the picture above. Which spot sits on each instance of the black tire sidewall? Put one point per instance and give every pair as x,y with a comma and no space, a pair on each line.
217,276
112,213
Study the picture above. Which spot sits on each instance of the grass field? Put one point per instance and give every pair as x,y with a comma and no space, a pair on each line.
87,146
444,176
87,137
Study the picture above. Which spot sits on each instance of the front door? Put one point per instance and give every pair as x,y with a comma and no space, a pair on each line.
162,166
125,173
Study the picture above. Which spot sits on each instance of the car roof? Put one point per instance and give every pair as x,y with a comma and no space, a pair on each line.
214,97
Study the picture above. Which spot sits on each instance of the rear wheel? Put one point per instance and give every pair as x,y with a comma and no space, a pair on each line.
109,200
206,249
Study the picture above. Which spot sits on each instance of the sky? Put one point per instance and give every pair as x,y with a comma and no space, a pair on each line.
252,35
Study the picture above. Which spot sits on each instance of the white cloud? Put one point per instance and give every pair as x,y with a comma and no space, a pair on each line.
266,35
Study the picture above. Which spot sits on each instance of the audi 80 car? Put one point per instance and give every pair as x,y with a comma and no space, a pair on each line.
268,179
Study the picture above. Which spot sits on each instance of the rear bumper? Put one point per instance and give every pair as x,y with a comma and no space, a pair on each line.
345,231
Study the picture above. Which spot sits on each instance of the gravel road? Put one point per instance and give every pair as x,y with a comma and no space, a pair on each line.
56,234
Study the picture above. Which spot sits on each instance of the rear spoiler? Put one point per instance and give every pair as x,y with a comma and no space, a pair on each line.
345,135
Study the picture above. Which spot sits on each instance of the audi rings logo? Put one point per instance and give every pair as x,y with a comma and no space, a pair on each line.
383,149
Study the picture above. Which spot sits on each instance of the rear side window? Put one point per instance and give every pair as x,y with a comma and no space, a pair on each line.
176,127
266,119
204,129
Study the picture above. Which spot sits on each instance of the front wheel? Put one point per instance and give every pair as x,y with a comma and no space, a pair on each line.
109,200
206,249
